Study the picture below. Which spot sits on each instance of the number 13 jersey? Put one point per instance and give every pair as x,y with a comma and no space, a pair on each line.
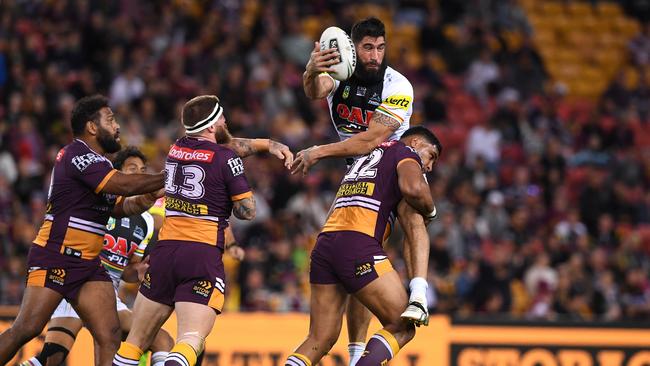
369,193
203,181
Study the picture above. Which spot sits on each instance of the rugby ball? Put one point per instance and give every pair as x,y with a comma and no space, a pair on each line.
335,37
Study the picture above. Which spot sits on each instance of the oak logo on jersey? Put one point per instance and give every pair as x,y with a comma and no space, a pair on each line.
346,92
355,115
203,288
57,275
362,269
236,166
398,101
119,245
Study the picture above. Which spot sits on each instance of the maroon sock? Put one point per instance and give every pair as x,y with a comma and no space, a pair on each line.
380,349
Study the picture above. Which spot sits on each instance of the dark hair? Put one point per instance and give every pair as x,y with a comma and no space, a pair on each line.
426,133
86,109
197,109
371,27
127,152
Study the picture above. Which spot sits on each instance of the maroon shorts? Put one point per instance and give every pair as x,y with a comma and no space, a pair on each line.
185,271
350,258
63,274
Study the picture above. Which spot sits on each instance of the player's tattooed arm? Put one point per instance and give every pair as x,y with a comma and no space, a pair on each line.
379,130
244,209
247,147
384,120
244,147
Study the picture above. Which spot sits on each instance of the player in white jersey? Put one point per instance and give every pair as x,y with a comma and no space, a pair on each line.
374,105
124,244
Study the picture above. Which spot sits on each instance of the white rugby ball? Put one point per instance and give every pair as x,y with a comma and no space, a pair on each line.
335,37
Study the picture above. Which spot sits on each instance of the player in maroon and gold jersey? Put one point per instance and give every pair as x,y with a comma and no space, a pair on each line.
64,258
349,258
205,184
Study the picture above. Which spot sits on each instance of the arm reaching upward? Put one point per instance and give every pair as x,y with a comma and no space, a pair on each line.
315,82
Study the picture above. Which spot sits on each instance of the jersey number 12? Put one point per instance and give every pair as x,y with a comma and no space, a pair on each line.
364,167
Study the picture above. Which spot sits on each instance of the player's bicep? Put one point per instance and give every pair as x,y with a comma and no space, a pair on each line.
383,125
397,106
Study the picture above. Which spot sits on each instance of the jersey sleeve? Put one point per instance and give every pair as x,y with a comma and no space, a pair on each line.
148,219
91,169
232,168
404,153
397,100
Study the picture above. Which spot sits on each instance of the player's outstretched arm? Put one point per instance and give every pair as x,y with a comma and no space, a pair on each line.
133,184
414,188
379,130
316,84
137,204
244,209
246,147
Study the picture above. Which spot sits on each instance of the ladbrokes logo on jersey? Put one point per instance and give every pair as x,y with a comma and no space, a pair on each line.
398,101
186,154
203,288
57,275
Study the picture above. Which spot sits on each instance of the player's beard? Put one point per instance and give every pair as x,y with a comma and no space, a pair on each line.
369,75
107,141
222,135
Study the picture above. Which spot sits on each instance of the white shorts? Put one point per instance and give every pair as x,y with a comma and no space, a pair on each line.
65,310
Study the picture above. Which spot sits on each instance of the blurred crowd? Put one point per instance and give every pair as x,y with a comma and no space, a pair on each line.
543,200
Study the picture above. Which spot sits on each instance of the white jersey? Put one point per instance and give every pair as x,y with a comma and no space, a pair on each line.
353,102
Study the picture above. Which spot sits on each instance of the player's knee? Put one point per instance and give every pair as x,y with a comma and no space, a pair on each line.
194,340
109,336
325,339
26,331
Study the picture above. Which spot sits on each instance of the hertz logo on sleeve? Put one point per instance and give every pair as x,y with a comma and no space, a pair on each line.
398,101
